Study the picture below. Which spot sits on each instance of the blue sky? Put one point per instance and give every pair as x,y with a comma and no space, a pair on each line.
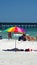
18,10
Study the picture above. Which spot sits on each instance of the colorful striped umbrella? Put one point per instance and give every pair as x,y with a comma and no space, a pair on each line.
15,30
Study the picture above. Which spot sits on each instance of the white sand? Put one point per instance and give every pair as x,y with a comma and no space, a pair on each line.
17,58
9,44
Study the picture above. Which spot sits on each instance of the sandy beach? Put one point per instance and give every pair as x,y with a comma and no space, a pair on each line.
10,44
17,58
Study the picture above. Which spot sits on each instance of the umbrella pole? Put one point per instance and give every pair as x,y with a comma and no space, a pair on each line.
15,44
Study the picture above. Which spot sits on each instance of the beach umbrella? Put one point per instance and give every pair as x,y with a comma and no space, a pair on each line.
15,30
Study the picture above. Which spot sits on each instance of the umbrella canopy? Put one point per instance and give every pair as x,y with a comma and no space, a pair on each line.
15,30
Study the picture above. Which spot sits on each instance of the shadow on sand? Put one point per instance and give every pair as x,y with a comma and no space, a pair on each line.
14,49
